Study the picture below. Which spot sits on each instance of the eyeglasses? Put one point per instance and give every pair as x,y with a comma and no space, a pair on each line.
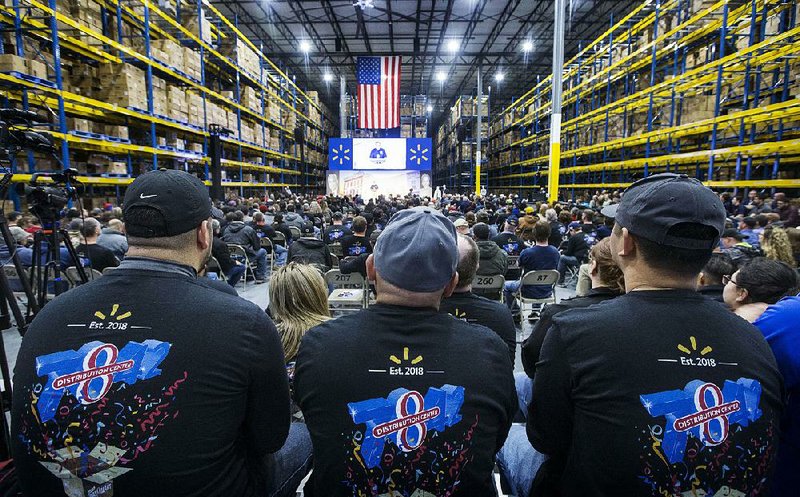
728,279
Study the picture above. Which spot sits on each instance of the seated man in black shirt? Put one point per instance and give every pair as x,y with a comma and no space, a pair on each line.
464,304
335,232
661,390
145,381
399,398
99,256
576,250
266,230
357,243
309,249
232,269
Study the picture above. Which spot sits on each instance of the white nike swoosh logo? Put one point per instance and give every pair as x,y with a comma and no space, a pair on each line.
142,195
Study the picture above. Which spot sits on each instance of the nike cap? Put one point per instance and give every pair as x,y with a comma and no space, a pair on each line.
164,203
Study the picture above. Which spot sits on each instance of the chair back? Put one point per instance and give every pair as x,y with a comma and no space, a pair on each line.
490,286
108,269
280,239
336,279
14,278
334,261
513,262
238,251
266,243
212,266
295,232
335,248
547,277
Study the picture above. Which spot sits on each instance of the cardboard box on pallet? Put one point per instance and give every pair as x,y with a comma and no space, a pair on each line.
78,124
191,62
13,63
197,25
170,53
115,130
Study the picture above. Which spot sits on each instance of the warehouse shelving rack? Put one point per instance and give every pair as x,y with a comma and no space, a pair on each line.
706,88
52,36
456,145
414,118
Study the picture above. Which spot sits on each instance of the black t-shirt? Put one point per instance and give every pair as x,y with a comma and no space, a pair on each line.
353,245
509,242
656,392
148,383
99,257
404,399
335,233
478,310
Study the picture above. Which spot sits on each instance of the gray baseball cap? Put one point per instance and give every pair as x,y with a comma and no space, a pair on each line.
417,251
653,205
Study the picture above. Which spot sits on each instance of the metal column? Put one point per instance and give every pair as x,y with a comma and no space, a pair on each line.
342,107
478,158
555,119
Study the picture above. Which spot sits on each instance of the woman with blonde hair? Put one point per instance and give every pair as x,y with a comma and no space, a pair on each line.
776,245
298,301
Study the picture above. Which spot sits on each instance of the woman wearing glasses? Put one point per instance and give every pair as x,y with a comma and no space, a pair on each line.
757,285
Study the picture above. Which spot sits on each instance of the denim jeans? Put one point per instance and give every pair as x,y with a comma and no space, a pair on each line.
261,263
280,255
234,274
519,461
285,469
564,262
509,291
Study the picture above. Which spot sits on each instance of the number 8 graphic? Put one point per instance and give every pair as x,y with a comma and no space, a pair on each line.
405,442
85,392
701,403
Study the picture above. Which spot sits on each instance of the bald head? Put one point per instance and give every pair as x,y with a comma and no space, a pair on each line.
468,258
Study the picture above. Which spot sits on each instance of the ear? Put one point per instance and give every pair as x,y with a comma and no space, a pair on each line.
448,290
742,295
593,267
628,245
203,235
701,279
371,273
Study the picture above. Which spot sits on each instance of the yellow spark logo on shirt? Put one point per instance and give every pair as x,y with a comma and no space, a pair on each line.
693,342
114,309
395,360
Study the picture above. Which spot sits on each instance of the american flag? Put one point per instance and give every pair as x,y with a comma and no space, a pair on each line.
378,92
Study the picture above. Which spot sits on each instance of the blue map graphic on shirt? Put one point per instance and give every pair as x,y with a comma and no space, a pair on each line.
89,372
704,411
405,417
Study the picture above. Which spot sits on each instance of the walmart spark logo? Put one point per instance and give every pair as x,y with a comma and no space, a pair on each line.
418,154
395,359
114,309
693,344
340,154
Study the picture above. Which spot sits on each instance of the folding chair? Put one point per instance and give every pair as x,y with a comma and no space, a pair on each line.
212,266
513,271
348,291
547,277
238,252
295,232
335,248
334,261
572,275
15,281
74,276
491,286
266,244
280,239
108,270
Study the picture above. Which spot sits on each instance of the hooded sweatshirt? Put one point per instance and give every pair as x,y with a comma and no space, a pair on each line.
493,259
239,233
309,250
294,219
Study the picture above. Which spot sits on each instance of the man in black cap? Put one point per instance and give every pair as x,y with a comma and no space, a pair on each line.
399,398
309,249
336,231
238,233
660,390
737,248
508,240
147,382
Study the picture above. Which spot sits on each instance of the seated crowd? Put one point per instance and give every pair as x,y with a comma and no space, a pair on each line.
675,370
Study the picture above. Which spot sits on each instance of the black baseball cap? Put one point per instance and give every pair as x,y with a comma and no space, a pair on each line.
653,205
165,202
732,233
307,229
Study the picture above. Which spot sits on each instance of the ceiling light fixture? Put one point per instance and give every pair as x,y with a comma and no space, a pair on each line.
527,46
305,46
499,77
327,77
441,76
429,108
452,45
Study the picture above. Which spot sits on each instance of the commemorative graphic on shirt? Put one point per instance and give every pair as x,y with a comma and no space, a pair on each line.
706,434
99,407
412,440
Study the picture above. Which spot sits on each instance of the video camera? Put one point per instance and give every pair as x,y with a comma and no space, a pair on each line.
46,201
16,133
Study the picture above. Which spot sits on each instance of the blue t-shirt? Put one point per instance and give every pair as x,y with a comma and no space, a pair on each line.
779,325
538,258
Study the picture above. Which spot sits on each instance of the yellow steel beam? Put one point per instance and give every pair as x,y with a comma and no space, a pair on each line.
259,167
